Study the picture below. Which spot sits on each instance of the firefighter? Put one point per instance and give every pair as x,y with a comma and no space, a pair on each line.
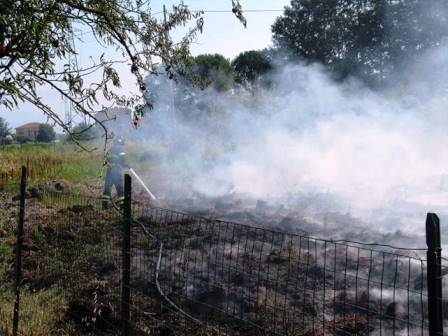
116,163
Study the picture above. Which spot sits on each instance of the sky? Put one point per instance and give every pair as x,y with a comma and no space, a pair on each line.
222,33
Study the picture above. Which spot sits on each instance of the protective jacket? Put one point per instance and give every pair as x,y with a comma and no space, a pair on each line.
116,163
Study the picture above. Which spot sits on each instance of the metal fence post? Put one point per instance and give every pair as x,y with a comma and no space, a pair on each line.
434,276
125,285
19,246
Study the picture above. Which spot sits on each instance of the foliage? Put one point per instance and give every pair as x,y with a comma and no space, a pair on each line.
84,131
209,70
21,139
46,133
367,38
4,129
250,66
237,9
37,39
36,233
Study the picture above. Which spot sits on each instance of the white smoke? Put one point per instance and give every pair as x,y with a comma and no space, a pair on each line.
378,155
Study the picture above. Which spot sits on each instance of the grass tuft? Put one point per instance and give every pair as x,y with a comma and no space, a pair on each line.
40,313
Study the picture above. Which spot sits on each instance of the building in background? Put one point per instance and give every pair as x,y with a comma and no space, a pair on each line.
28,131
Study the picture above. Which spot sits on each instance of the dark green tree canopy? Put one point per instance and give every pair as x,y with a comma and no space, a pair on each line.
209,69
250,66
84,131
46,133
4,128
370,39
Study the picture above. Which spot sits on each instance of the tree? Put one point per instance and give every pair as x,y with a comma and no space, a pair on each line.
4,129
365,38
250,66
84,131
412,27
46,133
324,31
22,139
37,40
209,70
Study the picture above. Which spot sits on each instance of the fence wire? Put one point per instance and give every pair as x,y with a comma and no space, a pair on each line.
250,280
200,276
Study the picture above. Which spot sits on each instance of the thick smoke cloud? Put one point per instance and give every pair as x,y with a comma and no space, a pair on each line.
379,155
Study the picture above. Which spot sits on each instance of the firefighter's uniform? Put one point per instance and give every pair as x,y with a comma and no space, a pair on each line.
116,163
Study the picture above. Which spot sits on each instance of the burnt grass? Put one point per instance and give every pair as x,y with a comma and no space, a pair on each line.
201,277
279,283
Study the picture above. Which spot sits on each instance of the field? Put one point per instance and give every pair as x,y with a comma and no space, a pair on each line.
46,163
230,278
63,175
50,161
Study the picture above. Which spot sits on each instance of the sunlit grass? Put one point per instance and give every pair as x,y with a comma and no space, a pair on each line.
49,161
41,312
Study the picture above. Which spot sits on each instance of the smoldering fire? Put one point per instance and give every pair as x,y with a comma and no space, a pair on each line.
378,155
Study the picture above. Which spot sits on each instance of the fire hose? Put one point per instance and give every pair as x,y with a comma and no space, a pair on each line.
159,259
142,184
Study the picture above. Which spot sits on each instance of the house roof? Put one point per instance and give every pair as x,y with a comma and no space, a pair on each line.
29,126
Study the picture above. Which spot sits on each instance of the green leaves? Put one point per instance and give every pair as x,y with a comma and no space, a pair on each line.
209,69
46,133
38,36
237,9
74,83
369,39
250,66
4,129
111,74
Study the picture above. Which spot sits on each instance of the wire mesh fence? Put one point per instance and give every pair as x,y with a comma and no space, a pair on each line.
201,276
9,181
71,250
276,283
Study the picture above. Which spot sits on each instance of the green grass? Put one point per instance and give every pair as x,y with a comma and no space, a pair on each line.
48,162
40,313
68,248
63,243
6,256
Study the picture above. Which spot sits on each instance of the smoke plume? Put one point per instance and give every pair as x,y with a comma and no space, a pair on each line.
380,155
